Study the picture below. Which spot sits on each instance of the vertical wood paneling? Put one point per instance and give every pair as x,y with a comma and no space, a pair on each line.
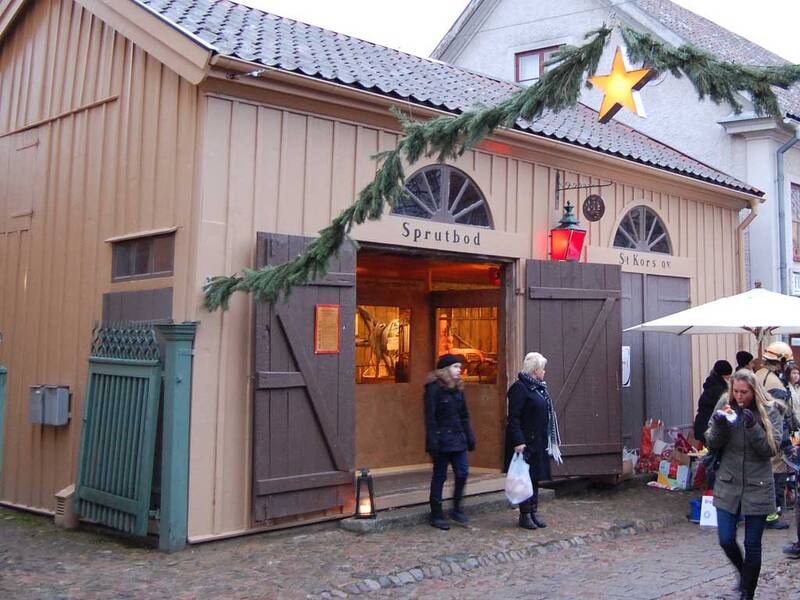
89,180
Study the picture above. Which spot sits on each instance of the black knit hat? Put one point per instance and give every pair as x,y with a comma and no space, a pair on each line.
743,358
723,367
445,360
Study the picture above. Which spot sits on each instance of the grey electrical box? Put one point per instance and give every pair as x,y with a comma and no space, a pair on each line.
49,405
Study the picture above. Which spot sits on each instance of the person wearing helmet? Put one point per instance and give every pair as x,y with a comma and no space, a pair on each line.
770,376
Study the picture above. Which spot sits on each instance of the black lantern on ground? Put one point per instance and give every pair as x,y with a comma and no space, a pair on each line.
566,239
365,496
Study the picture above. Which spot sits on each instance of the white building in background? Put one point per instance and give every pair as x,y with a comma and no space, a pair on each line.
511,40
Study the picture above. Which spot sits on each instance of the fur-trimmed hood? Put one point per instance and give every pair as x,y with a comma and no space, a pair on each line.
444,379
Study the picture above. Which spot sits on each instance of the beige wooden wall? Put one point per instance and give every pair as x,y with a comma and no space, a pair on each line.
268,167
96,140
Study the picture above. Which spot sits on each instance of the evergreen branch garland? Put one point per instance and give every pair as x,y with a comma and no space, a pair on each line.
449,136
719,80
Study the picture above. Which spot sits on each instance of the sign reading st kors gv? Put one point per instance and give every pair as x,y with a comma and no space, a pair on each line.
649,263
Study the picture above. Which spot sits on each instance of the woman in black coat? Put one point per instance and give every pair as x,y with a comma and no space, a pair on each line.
448,435
533,430
714,386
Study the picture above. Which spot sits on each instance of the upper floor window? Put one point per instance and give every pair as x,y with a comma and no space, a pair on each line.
142,257
641,229
530,65
796,221
445,194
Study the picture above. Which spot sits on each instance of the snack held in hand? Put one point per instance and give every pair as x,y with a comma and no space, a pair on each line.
728,413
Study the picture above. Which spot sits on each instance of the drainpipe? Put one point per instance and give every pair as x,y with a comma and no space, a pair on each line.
754,202
782,209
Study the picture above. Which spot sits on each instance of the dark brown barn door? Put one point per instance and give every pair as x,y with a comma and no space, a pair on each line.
572,316
303,428
660,382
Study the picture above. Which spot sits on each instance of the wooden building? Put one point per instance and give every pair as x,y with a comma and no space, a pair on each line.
148,144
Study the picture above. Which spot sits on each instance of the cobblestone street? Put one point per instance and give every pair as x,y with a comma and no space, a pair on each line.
627,544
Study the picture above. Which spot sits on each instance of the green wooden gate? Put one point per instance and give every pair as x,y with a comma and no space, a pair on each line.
120,423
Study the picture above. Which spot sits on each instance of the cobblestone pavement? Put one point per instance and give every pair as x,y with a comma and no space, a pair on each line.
589,551
681,563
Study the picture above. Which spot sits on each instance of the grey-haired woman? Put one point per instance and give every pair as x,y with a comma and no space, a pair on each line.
533,430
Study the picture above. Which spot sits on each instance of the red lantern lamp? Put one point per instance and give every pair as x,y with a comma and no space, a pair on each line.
566,239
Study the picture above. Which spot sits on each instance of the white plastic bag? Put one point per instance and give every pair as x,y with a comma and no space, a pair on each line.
518,480
631,455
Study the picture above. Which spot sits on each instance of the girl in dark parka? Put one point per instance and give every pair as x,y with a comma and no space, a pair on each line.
533,430
448,435
744,484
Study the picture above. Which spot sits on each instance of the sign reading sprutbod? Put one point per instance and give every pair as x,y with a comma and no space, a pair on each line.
454,236
421,233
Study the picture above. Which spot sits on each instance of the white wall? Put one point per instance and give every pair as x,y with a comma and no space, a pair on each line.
675,115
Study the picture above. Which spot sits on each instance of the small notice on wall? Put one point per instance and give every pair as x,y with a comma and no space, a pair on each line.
626,366
326,329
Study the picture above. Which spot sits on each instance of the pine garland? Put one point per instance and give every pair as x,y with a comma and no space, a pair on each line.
719,80
448,137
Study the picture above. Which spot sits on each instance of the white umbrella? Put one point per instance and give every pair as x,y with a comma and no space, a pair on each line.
757,311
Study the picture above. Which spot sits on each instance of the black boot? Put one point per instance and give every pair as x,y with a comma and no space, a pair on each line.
437,516
749,581
536,520
458,500
525,520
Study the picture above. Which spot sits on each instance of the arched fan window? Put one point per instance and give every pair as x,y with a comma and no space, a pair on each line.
444,194
641,229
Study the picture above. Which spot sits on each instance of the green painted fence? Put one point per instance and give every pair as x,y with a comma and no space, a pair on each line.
120,423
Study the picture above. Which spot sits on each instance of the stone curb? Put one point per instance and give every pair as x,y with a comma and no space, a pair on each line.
447,565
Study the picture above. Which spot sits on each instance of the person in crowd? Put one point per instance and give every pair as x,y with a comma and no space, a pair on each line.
714,386
532,429
793,385
448,436
793,550
746,428
771,376
744,360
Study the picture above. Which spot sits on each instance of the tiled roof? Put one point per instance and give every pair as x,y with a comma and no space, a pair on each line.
239,31
720,42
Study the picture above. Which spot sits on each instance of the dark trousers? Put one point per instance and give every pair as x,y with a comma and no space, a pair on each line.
780,487
460,468
797,509
754,525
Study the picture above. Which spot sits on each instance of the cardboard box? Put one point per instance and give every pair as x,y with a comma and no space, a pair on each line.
675,475
681,458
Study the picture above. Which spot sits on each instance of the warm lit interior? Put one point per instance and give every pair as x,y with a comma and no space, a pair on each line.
409,311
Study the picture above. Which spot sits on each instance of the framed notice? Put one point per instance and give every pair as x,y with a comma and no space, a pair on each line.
626,366
326,329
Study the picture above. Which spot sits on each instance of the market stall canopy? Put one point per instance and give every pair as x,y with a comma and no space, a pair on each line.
757,311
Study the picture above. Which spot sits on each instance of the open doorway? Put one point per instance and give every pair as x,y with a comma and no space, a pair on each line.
410,310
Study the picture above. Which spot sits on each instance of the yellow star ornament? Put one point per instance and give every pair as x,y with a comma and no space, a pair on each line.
621,88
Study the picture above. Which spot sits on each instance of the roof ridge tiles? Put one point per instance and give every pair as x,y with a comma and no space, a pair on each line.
327,55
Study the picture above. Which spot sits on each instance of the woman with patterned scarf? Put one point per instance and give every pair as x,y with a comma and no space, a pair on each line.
533,430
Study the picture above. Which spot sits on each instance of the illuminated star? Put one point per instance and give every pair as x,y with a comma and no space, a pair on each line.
621,88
